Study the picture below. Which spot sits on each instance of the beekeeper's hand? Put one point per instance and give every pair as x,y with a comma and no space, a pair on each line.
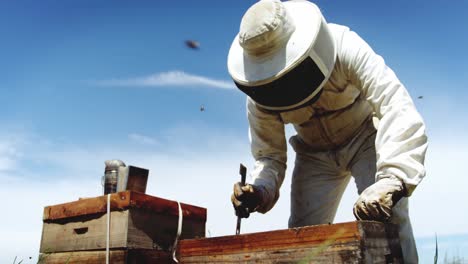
246,199
376,202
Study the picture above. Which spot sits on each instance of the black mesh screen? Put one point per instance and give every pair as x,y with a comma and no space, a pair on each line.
290,89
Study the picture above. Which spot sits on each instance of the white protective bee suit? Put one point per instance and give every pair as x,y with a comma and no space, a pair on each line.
337,138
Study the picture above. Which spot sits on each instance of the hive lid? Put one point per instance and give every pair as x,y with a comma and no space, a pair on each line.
121,201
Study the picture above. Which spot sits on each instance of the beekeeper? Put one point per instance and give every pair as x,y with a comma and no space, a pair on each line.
352,115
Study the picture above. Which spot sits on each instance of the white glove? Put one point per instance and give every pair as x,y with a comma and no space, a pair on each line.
376,202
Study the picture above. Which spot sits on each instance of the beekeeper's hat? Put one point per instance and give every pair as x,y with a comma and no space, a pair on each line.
283,54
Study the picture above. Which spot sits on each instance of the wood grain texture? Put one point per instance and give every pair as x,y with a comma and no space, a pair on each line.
117,256
58,237
381,242
83,257
353,242
132,228
279,239
137,221
121,201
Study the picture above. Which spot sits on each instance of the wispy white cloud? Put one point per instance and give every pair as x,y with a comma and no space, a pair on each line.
9,153
170,78
7,160
142,139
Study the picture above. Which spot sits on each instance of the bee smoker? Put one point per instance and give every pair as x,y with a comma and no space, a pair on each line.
111,175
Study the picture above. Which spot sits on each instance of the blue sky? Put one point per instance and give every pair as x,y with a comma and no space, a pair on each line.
85,81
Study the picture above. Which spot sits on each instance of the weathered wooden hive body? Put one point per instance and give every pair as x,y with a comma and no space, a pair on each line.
137,221
143,229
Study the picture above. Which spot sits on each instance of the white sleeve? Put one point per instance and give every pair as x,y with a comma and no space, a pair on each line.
268,146
401,140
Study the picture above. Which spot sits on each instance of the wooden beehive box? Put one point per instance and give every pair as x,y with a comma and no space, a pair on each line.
353,242
137,220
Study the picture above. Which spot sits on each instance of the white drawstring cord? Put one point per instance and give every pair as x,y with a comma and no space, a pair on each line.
179,231
108,229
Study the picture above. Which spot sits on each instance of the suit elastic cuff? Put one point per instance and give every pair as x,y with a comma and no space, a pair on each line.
269,195
397,180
